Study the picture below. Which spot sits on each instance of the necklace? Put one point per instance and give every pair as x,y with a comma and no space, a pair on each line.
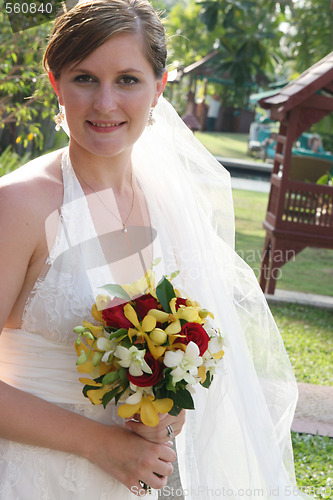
107,208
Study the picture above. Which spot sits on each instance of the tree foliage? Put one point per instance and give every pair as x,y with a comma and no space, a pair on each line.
26,97
311,34
189,40
249,35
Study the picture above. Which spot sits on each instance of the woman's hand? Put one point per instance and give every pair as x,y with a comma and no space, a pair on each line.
131,459
159,433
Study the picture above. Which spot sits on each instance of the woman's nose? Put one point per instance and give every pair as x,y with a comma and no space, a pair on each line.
105,99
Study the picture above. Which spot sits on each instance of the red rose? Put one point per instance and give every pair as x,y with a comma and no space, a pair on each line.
143,305
114,315
195,333
180,302
146,380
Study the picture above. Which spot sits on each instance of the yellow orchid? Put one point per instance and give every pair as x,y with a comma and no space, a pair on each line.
202,373
142,286
95,330
188,313
88,365
148,407
203,313
141,330
97,314
87,354
209,365
95,395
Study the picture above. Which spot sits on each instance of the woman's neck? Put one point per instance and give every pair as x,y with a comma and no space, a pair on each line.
100,172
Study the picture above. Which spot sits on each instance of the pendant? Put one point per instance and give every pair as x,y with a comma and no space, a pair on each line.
124,228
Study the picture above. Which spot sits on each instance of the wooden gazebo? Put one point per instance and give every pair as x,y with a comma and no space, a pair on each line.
300,212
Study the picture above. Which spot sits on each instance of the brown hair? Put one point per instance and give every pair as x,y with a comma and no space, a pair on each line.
89,24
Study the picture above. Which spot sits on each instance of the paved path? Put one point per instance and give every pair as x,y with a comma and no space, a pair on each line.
314,411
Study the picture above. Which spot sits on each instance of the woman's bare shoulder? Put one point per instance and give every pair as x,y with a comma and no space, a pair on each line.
35,185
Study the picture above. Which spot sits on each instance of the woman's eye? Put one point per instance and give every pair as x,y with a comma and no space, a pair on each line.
128,80
84,78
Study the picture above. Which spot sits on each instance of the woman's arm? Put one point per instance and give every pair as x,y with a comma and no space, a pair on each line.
121,453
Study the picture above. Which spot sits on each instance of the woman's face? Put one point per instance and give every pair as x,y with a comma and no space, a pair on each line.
108,96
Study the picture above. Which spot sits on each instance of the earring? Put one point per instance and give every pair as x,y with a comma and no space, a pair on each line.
59,118
151,119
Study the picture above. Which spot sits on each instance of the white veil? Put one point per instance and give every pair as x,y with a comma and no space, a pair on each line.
237,442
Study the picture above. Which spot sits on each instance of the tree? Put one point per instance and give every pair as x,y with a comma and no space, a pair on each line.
249,35
310,35
189,40
26,99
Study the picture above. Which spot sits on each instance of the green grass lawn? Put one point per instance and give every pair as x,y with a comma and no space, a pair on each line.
307,332
313,465
229,145
308,338
311,271
307,335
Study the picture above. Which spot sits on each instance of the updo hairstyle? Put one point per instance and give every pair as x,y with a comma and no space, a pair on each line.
89,24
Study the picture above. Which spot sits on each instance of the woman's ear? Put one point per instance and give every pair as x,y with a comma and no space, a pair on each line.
55,86
160,86
164,81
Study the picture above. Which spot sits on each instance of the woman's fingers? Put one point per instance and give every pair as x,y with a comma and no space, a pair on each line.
161,433
131,459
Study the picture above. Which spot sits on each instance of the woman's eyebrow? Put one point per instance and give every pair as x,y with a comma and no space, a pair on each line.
79,69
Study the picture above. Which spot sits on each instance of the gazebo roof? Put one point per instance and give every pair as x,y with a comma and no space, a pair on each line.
318,77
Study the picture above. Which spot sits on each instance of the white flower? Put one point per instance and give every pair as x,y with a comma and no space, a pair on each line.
215,344
109,346
184,364
138,392
133,359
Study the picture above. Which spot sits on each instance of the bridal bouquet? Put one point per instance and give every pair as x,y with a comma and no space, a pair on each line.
149,349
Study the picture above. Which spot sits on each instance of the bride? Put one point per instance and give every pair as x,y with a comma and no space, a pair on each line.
102,210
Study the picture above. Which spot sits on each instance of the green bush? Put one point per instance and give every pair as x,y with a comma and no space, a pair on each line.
9,160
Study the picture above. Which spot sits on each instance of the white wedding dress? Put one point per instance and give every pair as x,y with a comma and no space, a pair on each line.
237,442
40,358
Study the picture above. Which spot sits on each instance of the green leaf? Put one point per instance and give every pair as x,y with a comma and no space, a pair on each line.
175,410
170,386
117,291
87,388
118,396
109,396
183,399
174,275
127,343
165,293
323,180
208,381
156,261
110,378
123,375
118,333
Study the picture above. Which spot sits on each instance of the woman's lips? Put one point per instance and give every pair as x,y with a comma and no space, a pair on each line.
105,127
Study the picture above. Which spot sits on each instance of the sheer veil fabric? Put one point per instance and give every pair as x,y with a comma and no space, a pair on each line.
237,441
